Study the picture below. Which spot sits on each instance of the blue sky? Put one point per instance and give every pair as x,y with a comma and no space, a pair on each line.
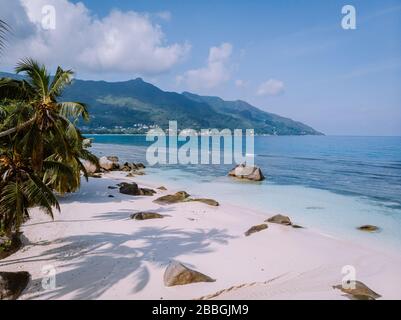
287,57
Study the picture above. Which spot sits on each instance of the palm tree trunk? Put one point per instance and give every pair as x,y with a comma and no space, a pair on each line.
12,130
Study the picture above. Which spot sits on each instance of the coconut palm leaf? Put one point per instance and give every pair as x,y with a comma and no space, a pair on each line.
12,89
38,193
74,110
59,175
13,207
38,76
61,79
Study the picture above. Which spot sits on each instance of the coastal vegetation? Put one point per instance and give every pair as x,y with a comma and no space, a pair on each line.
41,148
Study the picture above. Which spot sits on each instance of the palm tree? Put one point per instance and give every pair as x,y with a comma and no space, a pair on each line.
40,147
39,115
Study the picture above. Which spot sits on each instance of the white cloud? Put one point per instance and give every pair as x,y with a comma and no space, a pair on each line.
121,42
271,87
215,73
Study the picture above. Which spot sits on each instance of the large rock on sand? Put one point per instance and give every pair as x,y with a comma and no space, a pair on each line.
178,274
12,284
90,167
106,164
132,166
251,173
146,216
140,165
87,143
113,159
359,291
109,163
172,198
280,219
255,229
132,189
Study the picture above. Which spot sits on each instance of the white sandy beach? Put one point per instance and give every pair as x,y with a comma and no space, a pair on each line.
100,253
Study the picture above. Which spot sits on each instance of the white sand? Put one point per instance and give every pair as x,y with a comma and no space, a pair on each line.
99,253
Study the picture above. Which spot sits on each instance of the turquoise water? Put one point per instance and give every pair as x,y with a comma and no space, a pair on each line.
332,184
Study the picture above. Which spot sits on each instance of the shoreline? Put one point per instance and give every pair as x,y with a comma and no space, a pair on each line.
100,253
379,240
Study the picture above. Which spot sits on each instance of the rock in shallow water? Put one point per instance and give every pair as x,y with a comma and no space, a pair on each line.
146,216
178,274
95,175
251,173
368,228
255,229
12,284
132,189
360,291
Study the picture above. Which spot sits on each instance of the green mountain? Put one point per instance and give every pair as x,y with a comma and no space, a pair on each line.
252,117
131,106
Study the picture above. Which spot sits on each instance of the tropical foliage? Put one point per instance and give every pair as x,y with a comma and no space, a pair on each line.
41,149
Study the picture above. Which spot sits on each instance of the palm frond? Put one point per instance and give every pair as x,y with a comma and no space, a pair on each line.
87,155
57,166
12,89
83,169
53,170
38,75
74,110
38,193
13,209
61,79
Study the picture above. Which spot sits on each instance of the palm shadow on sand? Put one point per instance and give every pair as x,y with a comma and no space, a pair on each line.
100,260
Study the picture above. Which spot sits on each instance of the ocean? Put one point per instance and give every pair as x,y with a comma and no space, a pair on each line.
332,184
